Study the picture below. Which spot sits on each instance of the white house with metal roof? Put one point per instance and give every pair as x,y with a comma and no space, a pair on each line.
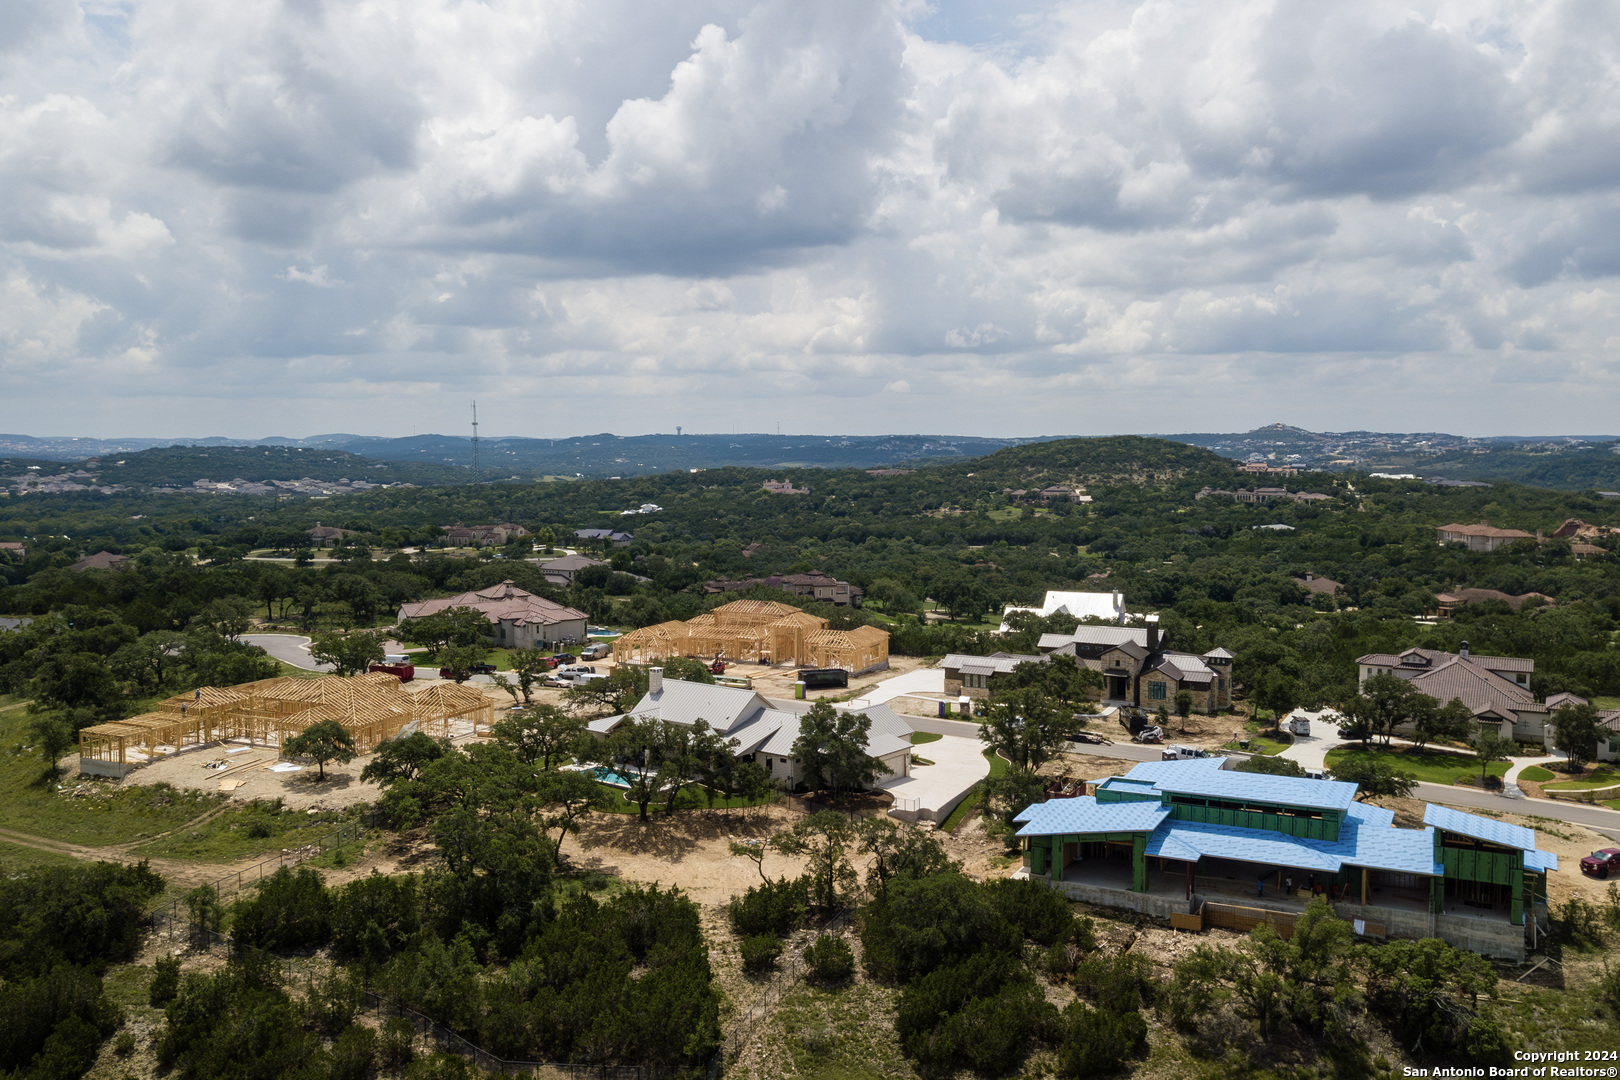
761,731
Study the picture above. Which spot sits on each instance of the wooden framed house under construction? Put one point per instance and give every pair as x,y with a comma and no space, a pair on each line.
758,632
371,707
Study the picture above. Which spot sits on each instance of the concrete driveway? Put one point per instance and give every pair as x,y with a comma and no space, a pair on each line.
288,648
921,681
931,792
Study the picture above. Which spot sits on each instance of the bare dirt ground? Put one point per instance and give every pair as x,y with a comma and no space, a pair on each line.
690,850
778,682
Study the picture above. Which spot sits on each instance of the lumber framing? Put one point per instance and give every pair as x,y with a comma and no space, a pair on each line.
372,707
760,632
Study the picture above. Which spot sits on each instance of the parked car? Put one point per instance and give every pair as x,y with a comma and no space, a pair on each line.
600,651
483,669
1318,774
1177,752
1601,862
577,669
565,658
1352,733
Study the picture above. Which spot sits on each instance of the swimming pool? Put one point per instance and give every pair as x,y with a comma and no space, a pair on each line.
607,776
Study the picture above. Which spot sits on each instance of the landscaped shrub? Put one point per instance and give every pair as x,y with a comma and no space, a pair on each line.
238,1023
771,907
830,958
759,952
1098,1040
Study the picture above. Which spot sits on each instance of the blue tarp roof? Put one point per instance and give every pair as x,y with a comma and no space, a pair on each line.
1058,817
1259,787
1480,828
1405,851
1540,860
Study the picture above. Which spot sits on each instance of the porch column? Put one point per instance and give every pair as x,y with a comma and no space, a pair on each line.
1437,895
1363,886
1054,856
1139,878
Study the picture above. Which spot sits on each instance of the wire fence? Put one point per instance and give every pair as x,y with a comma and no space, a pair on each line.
230,886
787,978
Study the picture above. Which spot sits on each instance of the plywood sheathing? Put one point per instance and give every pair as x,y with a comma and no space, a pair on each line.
757,631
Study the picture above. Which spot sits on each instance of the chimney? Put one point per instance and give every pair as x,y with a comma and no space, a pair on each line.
1309,576
1153,633
655,680
1462,650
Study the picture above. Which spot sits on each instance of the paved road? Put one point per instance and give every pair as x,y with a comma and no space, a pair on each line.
288,648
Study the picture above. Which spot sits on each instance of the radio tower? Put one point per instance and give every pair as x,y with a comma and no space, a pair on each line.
475,434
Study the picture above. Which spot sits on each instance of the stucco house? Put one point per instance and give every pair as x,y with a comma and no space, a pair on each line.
518,619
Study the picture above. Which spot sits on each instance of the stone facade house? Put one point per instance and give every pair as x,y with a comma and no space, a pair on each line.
518,619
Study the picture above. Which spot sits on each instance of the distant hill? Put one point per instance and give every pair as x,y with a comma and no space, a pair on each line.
600,455
180,466
1105,459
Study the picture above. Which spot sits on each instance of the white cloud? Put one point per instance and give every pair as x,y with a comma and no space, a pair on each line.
733,208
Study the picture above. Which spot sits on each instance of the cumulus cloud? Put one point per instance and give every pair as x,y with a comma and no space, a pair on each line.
851,211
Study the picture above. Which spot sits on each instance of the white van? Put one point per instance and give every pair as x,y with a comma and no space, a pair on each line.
1177,752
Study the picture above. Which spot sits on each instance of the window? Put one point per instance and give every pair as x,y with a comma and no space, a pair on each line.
1157,691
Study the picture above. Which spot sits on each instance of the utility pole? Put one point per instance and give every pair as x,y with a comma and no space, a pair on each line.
475,434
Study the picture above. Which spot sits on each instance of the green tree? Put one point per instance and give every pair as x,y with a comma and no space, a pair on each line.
824,840
325,741
899,850
227,616
530,666
1026,727
1374,778
1491,747
831,750
636,750
402,758
52,736
1576,731
687,669
618,693
1384,704
460,660
543,736
1184,706
562,799
349,654
444,629
1453,721
1011,792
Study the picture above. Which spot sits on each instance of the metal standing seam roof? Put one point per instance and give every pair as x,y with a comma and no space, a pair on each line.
1480,828
724,707
1259,787
1058,817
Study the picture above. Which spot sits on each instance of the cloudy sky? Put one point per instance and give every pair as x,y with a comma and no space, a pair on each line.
1003,217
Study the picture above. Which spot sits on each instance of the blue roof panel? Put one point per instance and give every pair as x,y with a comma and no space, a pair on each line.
1540,860
1057,817
1152,772
1244,845
1260,787
1480,828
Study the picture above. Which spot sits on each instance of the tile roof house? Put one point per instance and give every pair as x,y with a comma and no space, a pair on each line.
327,535
815,585
562,571
1168,835
1495,688
784,487
617,539
101,560
459,535
762,731
1459,598
1481,537
1325,586
519,619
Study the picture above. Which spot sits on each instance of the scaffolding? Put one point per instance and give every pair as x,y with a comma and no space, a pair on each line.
371,707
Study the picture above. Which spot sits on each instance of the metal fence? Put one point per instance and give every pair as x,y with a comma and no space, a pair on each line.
231,885
787,978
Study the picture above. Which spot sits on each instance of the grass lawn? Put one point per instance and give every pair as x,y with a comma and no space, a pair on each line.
1262,744
16,857
1606,702
1536,774
1432,766
1612,804
30,801
841,1034
998,767
691,798
1607,776
257,828
919,737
